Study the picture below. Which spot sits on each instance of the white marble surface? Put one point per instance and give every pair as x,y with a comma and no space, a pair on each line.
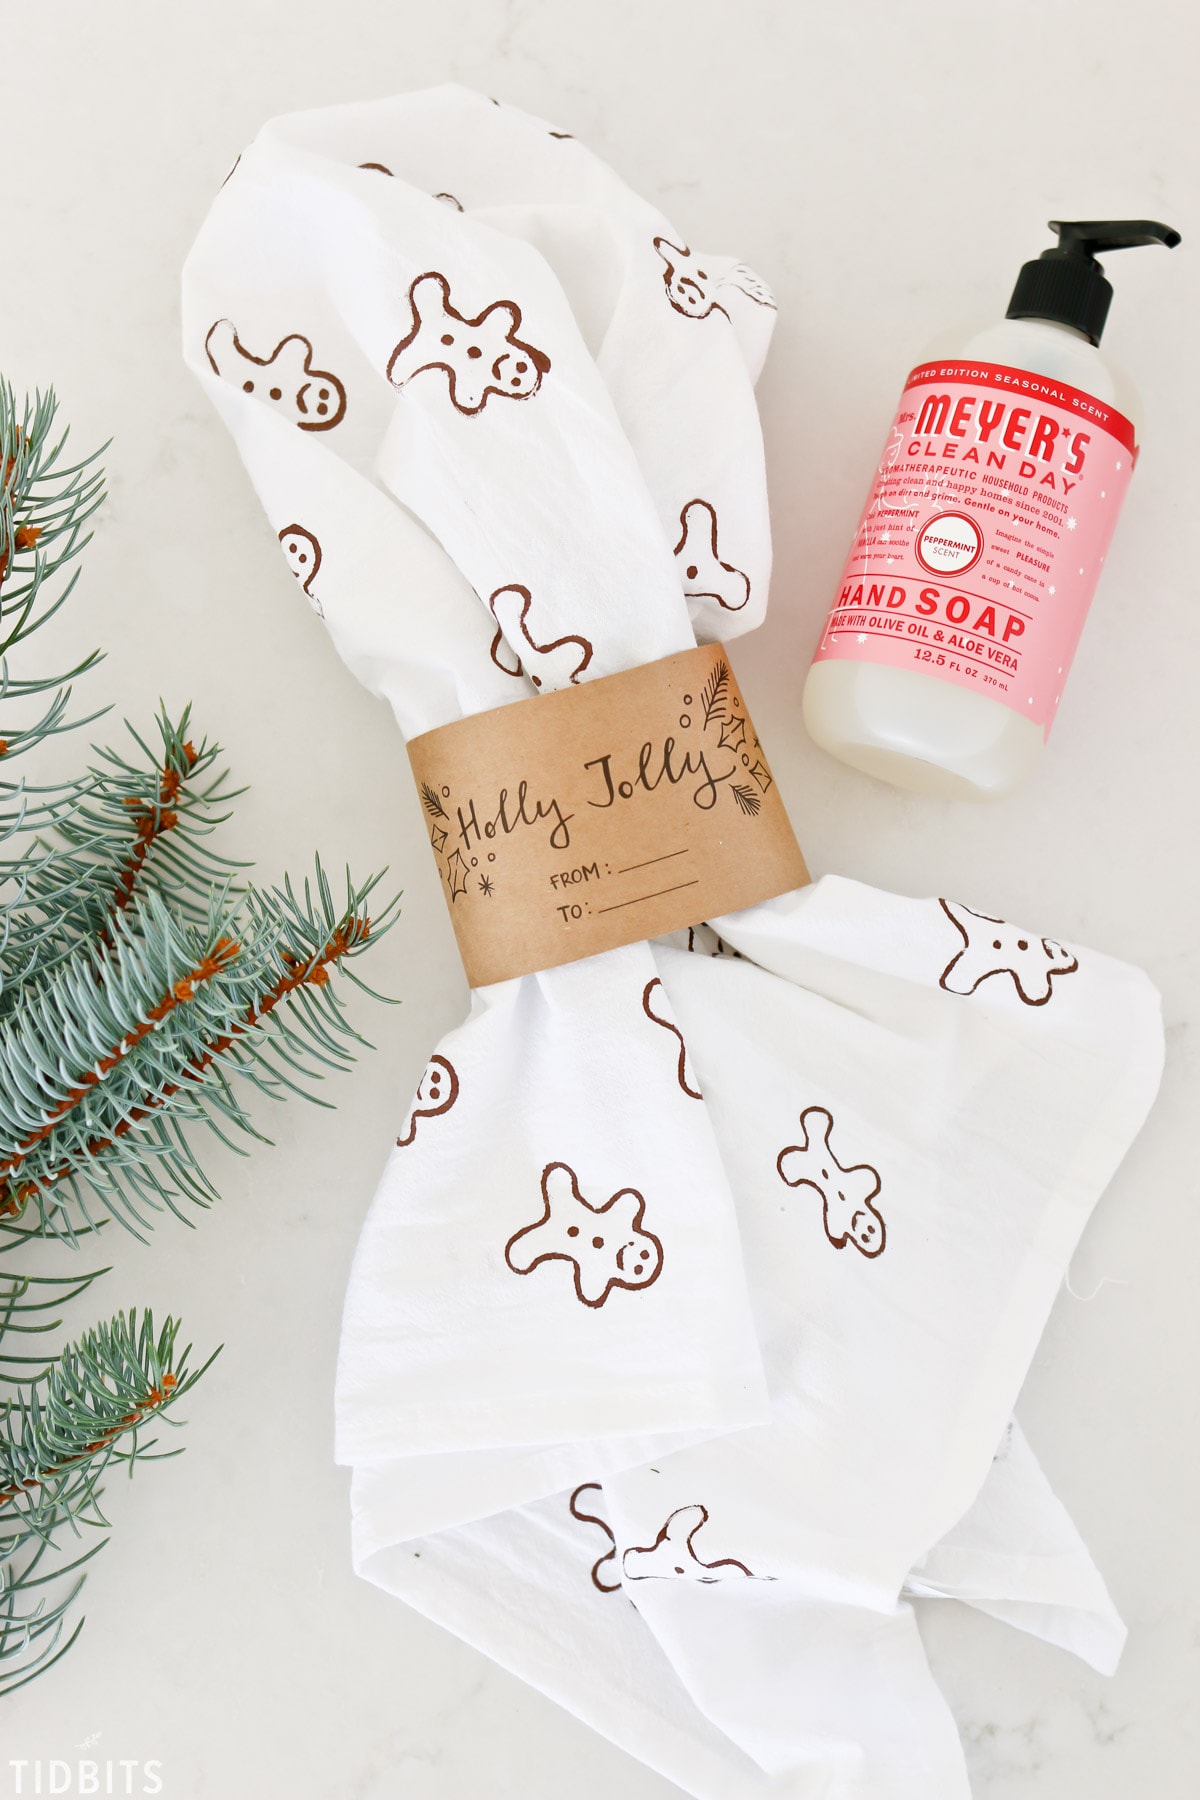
887,168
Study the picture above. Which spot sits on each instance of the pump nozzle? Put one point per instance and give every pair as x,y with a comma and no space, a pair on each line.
1066,285
1084,237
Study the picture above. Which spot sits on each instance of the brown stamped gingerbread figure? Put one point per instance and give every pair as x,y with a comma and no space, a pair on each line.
309,397
303,555
605,1246
847,1193
604,1576
673,1555
693,290
436,1093
556,664
653,1005
992,947
479,357
705,576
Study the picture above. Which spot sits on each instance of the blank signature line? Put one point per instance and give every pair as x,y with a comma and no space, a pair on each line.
654,896
653,859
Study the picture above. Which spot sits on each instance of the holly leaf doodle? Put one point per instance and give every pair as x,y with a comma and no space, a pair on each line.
733,732
457,874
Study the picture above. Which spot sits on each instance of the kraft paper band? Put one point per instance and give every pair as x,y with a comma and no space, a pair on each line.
599,815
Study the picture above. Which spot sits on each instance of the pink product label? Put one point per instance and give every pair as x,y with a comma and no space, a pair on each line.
984,533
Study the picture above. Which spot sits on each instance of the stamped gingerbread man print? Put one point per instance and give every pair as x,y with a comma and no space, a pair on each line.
605,1564
479,357
693,290
702,940
847,1192
673,1555
436,1093
557,664
605,1246
309,397
992,947
303,554
705,576
654,996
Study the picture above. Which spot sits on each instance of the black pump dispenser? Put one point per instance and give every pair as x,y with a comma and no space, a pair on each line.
1066,285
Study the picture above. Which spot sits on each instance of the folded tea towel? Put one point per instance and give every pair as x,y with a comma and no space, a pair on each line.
849,1155
535,1590
1016,1555
539,1590
309,277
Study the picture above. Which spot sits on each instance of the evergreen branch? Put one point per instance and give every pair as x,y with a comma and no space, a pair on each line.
141,1059
52,722
84,1412
295,976
16,1308
138,989
124,826
21,1632
43,509
222,953
105,1386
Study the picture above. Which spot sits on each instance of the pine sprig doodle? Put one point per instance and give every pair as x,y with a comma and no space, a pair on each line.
748,800
433,804
713,694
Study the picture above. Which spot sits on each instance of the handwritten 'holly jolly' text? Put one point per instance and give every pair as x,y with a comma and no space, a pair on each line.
514,810
517,808
656,765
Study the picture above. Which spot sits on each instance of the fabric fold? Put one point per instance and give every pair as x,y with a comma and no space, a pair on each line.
1016,1555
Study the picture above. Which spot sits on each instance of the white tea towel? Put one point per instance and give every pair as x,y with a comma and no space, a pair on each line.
1016,1555
534,1590
538,1590
501,418
534,1092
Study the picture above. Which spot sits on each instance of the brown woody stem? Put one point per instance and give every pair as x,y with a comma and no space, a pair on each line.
154,821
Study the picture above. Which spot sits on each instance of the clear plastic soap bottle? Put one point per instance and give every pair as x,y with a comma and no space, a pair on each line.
947,645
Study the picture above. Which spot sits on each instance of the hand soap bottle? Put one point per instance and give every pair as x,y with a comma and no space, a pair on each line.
945,651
